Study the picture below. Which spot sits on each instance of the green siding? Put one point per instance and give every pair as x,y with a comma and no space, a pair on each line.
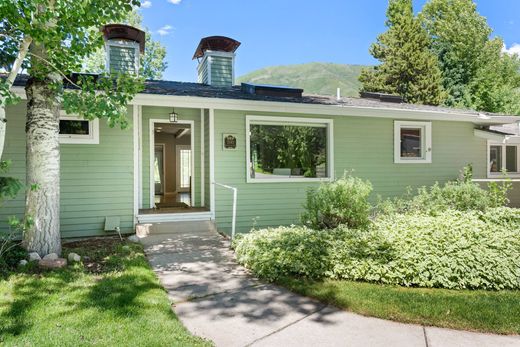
221,71
362,145
150,112
96,180
207,183
122,59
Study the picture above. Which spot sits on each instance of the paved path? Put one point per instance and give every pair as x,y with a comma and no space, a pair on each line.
217,299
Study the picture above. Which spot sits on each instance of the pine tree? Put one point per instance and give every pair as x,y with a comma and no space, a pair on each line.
408,68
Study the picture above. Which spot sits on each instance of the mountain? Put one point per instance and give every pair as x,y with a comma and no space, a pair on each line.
314,78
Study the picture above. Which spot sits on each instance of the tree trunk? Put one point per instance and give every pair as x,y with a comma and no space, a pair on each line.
43,167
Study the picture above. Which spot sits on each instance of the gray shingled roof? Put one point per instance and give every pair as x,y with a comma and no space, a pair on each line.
205,91
506,129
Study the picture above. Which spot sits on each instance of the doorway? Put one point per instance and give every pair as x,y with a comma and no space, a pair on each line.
171,171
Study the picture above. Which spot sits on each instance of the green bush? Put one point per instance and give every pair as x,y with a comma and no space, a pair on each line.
458,195
344,201
285,251
453,249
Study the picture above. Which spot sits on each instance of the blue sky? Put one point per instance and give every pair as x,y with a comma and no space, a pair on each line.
279,32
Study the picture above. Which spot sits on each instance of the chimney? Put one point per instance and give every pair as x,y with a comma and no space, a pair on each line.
216,56
123,45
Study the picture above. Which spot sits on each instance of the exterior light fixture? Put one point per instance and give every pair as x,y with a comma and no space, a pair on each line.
174,117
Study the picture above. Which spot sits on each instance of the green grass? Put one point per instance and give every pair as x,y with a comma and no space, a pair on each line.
114,299
484,311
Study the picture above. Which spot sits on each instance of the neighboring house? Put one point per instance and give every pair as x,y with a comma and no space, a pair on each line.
272,143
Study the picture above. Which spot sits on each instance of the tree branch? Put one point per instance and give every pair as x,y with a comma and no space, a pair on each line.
22,52
55,68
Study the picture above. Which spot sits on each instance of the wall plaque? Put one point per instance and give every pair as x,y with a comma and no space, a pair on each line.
229,141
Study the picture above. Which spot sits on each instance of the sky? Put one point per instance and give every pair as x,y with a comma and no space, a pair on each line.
283,32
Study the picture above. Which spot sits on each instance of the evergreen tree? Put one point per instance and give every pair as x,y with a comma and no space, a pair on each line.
408,68
476,74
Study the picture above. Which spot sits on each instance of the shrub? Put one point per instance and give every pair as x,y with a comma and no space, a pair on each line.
344,201
453,249
458,195
285,251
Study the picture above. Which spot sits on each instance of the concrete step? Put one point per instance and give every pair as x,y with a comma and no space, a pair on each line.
174,217
182,227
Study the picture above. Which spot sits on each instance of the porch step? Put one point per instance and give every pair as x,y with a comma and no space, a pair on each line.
182,227
174,217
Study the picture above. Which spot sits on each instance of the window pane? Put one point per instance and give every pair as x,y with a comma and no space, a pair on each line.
185,161
411,143
74,127
511,165
288,151
495,158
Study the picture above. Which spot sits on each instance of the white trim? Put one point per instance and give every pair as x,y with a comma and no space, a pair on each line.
140,159
302,108
175,217
91,139
426,139
135,125
483,134
151,142
274,120
212,159
163,183
202,162
503,145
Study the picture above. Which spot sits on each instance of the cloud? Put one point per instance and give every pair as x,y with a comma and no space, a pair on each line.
165,30
175,2
514,49
146,4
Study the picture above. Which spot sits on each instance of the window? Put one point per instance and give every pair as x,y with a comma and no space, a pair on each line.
281,149
502,157
412,142
75,130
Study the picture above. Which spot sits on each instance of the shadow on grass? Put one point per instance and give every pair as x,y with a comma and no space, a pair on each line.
64,291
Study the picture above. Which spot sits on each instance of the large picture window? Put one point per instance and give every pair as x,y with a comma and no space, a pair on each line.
412,142
288,149
503,158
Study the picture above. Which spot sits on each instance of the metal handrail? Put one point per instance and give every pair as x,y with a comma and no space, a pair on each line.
234,218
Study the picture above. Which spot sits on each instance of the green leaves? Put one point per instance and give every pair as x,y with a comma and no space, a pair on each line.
104,96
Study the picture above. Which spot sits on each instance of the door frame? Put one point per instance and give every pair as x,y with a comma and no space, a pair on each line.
151,144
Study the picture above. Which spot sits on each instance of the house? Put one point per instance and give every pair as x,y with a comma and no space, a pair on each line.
190,142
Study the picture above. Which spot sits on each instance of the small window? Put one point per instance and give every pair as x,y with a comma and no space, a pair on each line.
282,150
74,130
412,142
502,158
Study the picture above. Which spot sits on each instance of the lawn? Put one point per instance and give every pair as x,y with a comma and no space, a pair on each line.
477,310
113,299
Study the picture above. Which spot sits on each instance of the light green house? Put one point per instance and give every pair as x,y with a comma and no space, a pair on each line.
191,145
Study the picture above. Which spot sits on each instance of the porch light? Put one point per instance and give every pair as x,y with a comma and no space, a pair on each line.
174,117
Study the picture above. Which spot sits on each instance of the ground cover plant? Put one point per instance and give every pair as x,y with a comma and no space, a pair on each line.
112,298
456,237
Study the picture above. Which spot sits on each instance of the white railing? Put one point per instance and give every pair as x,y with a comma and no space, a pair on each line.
234,218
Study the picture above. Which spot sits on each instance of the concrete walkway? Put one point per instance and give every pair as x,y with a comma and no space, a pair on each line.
218,300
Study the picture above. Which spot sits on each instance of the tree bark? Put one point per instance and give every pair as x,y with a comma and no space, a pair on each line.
43,165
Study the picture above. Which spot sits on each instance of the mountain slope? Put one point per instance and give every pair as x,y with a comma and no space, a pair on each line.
314,78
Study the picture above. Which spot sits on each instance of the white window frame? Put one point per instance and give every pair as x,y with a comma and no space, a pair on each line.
91,139
426,132
295,121
125,44
503,145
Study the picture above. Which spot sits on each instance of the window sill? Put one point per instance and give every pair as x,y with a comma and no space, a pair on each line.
412,161
288,180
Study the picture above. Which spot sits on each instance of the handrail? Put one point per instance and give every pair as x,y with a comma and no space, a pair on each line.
234,218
